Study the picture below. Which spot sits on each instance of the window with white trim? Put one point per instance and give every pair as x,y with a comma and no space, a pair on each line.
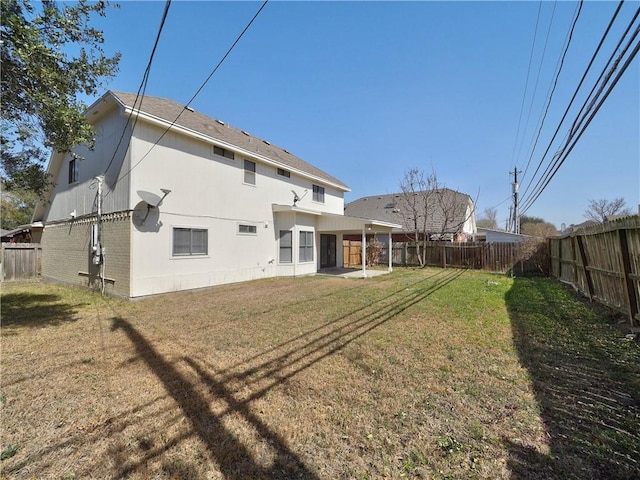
318,194
306,247
223,152
246,229
286,246
190,242
249,172
73,171
283,173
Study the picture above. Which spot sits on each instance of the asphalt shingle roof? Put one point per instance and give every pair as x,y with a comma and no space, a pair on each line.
168,110
390,208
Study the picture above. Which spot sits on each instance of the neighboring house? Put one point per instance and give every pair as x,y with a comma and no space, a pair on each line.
490,235
575,227
30,233
186,201
451,215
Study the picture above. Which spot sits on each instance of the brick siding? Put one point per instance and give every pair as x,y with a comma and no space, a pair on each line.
67,256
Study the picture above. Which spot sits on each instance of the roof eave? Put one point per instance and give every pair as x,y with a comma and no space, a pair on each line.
153,119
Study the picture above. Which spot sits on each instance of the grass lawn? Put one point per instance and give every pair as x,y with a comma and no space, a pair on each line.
418,374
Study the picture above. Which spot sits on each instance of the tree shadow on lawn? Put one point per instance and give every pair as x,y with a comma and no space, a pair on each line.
235,459
586,380
35,310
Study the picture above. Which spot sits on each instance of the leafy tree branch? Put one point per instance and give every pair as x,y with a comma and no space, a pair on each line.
41,81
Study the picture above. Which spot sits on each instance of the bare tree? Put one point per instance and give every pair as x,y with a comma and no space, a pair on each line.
599,210
450,214
429,210
489,219
416,190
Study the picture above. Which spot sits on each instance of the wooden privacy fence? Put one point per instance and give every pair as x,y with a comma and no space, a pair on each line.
21,261
352,253
602,262
495,257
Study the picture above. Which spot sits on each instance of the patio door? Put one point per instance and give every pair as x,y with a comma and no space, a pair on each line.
327,251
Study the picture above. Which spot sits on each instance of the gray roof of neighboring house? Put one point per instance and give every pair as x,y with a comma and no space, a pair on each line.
586,223
495,234
16,231
168,110
390,207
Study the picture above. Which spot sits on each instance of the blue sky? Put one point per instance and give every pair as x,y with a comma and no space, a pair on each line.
368,90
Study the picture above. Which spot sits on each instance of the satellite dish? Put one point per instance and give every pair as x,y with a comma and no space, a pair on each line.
145,217
146,214
297,198
151,199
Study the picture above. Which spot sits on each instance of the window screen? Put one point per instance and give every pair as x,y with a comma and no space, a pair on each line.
306,246
249,172
318,194
286,247
190,241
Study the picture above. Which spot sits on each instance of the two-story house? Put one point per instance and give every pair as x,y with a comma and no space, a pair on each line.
170,199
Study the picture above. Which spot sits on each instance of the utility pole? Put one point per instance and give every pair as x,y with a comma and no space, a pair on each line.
516,216
98,250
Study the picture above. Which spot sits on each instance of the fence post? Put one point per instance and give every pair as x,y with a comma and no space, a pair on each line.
559,264
585,266
626,270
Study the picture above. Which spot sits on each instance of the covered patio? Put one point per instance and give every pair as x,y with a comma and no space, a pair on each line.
331,229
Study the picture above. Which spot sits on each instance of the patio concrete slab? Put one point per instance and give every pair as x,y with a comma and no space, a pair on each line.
351,272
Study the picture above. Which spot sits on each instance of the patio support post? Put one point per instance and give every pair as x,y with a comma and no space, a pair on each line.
390,252
364,251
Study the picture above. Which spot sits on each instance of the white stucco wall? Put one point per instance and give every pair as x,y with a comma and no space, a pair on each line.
470,220
80,196
208,192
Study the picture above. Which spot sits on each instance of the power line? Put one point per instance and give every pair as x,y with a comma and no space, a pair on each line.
535,88
142,88
185,107
526,84
550,97
611,57
593,57
569,141
566,150
500,203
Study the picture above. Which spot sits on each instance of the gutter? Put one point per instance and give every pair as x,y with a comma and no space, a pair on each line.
129,111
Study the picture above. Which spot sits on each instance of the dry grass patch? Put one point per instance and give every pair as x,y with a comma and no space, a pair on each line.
410,375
